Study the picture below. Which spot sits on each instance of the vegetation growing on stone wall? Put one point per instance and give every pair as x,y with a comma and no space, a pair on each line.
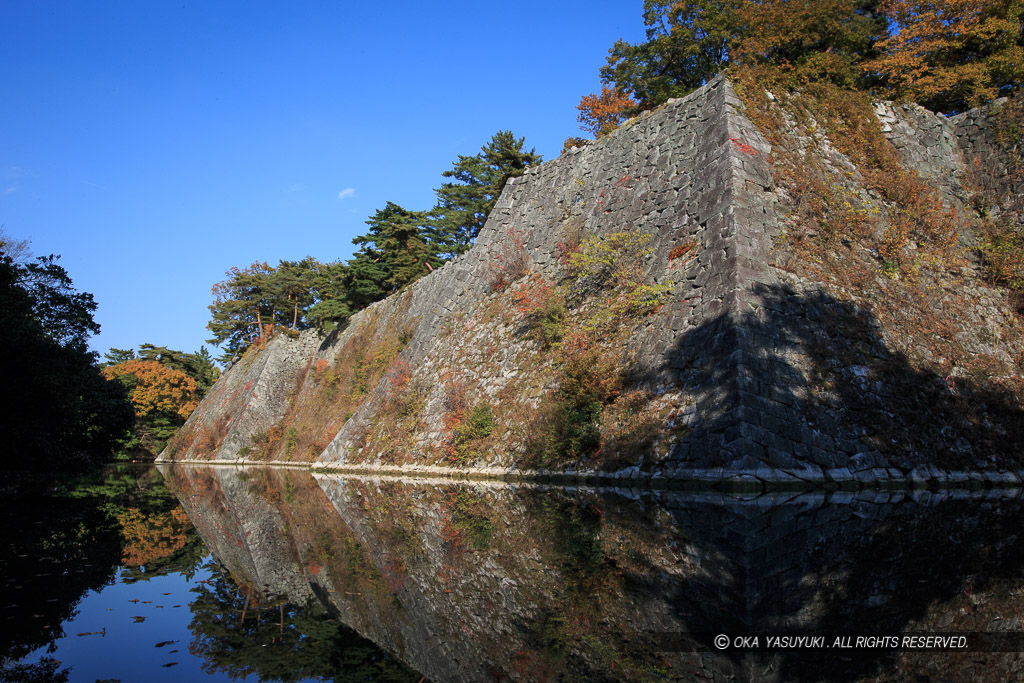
879,203
466,427
333,390
868,227
998,200
509,261
582,325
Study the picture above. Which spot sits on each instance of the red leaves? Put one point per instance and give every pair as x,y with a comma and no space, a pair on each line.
743,147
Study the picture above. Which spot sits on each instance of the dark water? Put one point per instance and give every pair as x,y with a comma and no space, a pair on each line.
106,579
374,579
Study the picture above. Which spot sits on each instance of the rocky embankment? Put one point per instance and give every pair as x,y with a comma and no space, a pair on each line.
640,308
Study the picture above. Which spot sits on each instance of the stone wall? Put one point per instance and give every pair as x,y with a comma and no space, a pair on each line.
249,399
754,372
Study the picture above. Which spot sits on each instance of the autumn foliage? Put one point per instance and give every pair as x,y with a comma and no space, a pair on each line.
602,113
947,56
954,54
156,388
152,537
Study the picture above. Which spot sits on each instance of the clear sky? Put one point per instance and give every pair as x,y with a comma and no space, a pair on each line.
156,144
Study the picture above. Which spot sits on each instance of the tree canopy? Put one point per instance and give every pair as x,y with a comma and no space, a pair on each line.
953,55
60,405
464,203
164,387
400,246
252,301
946,56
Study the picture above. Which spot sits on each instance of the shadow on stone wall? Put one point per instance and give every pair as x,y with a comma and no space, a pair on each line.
806,378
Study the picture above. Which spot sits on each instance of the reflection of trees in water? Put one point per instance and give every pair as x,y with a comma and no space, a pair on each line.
59,542
239,632
46,670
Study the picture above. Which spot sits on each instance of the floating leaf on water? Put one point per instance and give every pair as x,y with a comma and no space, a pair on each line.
165,594
171,652
139,619
135,600
165,642
147,602
169,664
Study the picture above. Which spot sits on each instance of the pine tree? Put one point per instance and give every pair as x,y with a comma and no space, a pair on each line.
406,243
463,206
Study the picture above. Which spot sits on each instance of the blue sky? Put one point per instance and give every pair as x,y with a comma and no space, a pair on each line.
156,144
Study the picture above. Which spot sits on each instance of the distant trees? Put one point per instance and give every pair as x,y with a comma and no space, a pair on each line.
602,113
403,244
156,388
399,247
251,301
687,44
164,387
464,203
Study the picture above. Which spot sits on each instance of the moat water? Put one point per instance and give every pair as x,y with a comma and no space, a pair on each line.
189,573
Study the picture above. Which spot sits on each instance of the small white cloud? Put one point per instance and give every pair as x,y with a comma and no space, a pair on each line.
346,193
14,172
9,190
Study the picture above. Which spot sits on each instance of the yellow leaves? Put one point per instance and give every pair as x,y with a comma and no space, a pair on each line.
156,387
953,53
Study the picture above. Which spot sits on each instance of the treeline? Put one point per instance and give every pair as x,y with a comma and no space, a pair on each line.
59,412
947,56
65,409
400,247
163,387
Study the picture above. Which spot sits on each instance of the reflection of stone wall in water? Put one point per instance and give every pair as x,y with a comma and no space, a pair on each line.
470,582
240,522
751,364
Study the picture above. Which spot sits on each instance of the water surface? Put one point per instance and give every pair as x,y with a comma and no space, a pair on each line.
272,574
497,582
106,579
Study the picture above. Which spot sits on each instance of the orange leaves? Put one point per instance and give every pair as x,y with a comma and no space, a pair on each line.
686,249
156,387
152,537
602,113
952,54
533,296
